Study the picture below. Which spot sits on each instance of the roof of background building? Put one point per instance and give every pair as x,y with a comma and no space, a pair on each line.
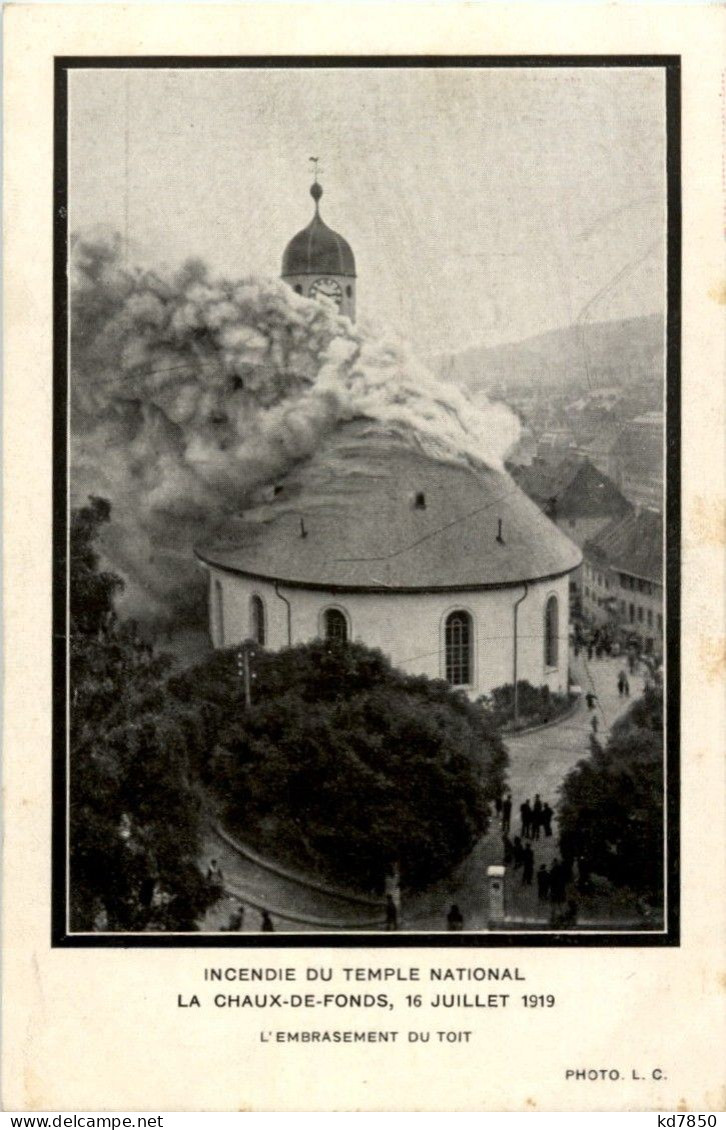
363,529
633,544
580,489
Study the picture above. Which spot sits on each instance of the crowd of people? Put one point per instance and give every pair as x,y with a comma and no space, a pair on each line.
552,882
598,642
536,818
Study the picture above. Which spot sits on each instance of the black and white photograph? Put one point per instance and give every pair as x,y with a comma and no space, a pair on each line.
366,484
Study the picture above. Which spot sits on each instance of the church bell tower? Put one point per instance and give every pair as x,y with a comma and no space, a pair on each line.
319,262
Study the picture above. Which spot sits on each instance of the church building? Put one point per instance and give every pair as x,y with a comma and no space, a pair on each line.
452,572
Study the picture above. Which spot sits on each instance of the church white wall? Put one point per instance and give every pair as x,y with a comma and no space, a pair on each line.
409,628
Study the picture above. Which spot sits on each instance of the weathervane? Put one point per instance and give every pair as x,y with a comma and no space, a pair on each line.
316,170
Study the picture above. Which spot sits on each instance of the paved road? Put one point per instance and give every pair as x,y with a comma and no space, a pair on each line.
253,886
538,763
540,760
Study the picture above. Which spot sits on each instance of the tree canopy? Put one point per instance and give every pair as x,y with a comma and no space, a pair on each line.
134,806
611,812
347,764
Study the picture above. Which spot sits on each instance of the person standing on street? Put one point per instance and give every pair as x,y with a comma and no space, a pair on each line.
536,816
506,812
214,872
557,882
525,812
527,866
547,815
455,919
391,914
236,918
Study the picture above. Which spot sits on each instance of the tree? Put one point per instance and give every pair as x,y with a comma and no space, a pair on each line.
611,813
535,705
134,807
346,763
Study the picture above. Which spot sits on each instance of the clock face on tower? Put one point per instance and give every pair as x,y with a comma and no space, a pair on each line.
328,288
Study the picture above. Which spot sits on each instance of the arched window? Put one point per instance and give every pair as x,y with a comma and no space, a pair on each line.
336,625
218,614
257,620
551,632
458,649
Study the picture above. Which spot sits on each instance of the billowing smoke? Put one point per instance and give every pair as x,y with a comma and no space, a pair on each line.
190,394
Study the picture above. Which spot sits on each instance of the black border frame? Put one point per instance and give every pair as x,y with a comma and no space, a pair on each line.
60,937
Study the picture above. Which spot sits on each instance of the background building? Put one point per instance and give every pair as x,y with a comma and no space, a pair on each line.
575,494
623,577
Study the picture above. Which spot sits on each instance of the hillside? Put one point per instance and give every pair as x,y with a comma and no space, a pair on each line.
608,353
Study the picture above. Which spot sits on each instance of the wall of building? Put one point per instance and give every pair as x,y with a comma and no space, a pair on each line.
409,628
598,593
631,604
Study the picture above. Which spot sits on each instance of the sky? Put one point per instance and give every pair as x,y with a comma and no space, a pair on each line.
483,205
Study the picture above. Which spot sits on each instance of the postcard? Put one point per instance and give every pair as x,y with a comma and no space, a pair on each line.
363,558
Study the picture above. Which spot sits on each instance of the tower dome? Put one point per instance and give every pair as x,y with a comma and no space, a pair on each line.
320,262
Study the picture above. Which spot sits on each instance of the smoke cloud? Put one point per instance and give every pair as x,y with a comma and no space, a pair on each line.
189,394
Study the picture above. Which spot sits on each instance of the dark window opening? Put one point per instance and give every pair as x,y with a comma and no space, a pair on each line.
458,649
257,610
336,625
298,288
551,632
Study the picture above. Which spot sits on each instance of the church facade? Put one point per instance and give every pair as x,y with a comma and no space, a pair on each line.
465,637
451,571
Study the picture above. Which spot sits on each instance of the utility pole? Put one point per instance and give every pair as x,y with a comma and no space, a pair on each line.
515,712
244,655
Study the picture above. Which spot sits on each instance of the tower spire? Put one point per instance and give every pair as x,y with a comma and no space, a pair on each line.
318,262
316,190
